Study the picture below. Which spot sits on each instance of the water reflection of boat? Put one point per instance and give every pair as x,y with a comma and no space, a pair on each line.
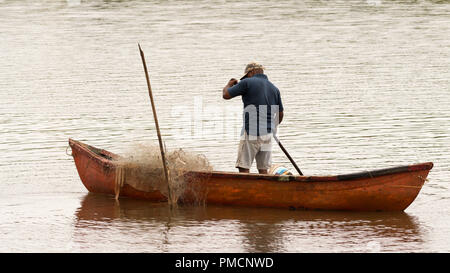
262,229
392,189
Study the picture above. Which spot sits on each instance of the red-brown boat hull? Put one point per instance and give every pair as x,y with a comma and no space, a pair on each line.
392,189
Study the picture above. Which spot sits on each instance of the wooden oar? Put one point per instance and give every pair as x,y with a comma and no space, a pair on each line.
287,154
166,172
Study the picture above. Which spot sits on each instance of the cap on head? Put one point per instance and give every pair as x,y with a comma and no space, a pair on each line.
250,67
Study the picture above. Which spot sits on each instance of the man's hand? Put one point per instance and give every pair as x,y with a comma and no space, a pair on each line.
232,82
225,93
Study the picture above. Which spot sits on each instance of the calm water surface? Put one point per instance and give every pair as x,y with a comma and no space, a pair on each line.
365,85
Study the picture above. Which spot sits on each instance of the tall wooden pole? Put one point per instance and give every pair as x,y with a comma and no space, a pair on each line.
166,172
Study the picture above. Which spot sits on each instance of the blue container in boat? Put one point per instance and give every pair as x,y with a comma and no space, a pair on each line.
279,170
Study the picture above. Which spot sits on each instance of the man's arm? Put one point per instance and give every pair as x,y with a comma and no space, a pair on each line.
225,93
280,108
279,116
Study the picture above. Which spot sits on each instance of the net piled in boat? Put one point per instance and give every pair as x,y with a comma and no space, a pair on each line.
141,167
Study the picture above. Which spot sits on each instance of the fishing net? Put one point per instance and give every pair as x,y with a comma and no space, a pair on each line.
141,167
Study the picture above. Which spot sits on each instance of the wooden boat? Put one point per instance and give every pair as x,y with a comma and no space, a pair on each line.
390,189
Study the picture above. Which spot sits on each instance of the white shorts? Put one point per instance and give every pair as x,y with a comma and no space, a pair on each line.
252,147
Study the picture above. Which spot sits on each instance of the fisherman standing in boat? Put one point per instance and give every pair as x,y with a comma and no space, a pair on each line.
263,111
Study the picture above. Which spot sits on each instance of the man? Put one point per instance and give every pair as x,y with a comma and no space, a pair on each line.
263,111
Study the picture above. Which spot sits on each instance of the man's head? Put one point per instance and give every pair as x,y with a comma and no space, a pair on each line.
252,69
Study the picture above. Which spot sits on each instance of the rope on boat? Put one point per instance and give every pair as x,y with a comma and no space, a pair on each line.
70,151
425,180
119,180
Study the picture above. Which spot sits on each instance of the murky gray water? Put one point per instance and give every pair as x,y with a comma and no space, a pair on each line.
365,85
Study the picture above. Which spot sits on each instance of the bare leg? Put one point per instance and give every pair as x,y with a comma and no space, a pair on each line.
264,171
242,170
